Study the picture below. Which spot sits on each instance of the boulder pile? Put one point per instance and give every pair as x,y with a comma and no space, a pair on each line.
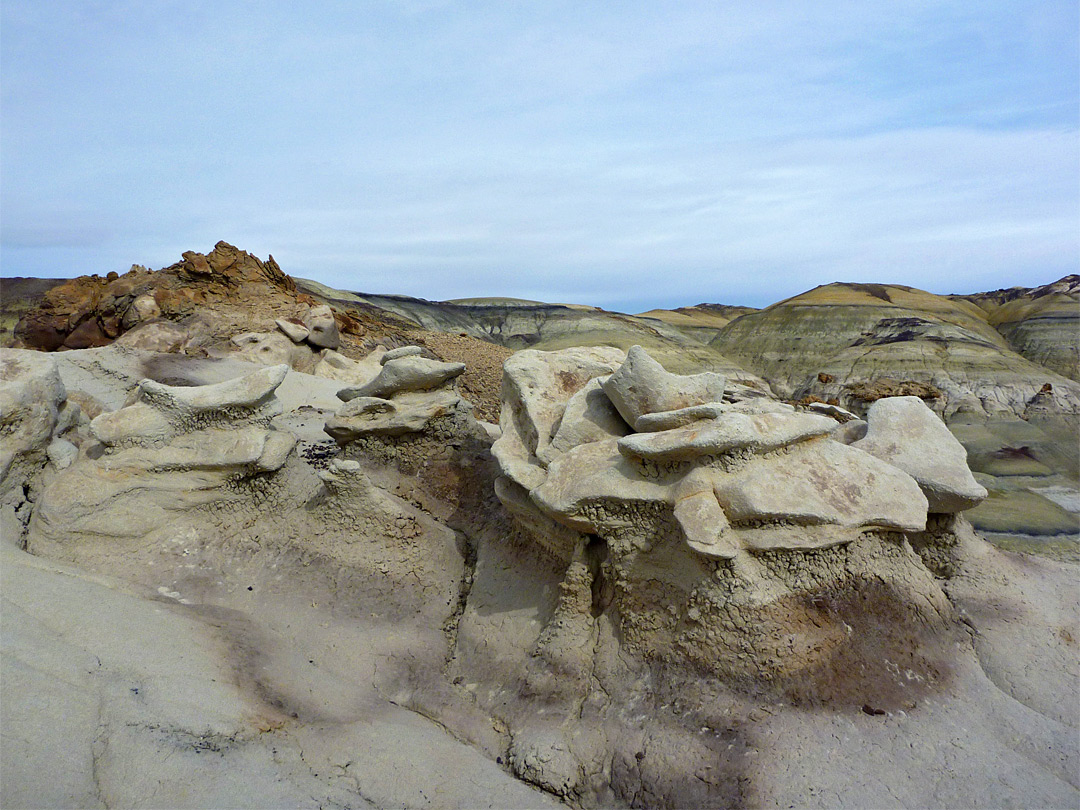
700,515
173,455
406,394
592,443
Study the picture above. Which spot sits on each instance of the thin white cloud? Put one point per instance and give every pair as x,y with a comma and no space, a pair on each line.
627,155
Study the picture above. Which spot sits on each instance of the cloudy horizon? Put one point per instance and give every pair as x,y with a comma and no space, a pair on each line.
628,156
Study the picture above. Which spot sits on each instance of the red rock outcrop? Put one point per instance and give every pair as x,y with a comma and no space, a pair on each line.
93,311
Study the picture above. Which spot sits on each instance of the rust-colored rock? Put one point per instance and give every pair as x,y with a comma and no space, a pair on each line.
228,282
231,267
87,335
882,387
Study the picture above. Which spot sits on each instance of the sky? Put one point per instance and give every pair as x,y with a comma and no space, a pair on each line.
624,154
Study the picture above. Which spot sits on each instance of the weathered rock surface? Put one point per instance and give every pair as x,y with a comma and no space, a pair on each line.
406,374
728,432
322,328
822,482
296,332
401,351
768,479
336,366
33,412
588,417
536,387
908,435
160,411
642,386
406,394
174,452
306,635
667,420
408,412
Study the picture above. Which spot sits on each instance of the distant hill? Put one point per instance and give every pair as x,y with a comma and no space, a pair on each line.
1000,366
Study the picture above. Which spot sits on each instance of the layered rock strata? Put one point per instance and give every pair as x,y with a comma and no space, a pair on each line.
686,515
173,455
674,613
406,394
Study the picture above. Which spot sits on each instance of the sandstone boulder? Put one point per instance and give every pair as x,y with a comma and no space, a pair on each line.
823,482
32,412
666,420
401,351
405,374
296,332
336,366
641,386
322,328
408,412
849,432
157,336
593,488
536,387
704,525
588,417
161,411
904,432
757,433
274,349
173,452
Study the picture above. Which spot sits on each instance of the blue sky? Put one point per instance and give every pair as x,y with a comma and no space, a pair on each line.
627,155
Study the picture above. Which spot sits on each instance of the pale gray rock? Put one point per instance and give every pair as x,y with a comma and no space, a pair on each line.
589,416
276,450
208,449
274,349
322,328
249,393
138,422
408,412
556,539
586,486
247,339
760,405
536,386
904,432
757,433
160,336
516,461
405,374
849,432
62,453
296,332
336,366
401,351
823,482
161,411
666,420
170,454
641,386
704,524
835,411
32,397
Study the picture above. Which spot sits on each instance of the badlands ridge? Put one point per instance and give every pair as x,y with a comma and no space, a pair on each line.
267,544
